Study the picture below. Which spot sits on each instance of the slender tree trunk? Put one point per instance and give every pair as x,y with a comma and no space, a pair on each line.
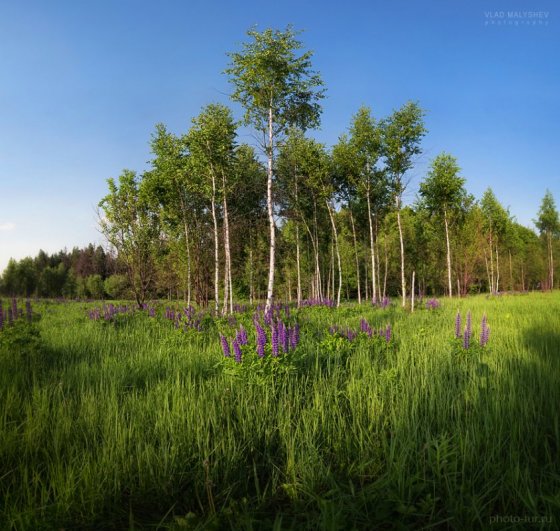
230,287
448,253
412,293
403,279
367,281
216,250
187,246
228,298
373,286
317,275
298,264
357,260
491,264
335,234
289,286
251,287
297,248
270,288
550,261
497,268
386,269
378,262
317,265
490,281
511,287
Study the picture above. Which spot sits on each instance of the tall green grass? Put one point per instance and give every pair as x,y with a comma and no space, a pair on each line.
136,425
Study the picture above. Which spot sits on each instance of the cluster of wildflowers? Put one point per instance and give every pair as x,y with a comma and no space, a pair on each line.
108,312
283,338
383,303
467,334
484,332
365,328
432,304
13,313
187,318
329,303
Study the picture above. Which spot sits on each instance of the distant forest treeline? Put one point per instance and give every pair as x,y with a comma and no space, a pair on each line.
93,272
90,272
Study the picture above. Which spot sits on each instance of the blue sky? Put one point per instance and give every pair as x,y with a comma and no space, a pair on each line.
82,84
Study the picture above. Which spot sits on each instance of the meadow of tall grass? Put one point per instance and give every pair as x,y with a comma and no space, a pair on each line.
131,422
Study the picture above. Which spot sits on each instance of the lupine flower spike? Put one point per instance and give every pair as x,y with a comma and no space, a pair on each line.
458,325
237,351
225,346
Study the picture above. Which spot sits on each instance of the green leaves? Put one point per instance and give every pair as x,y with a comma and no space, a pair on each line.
547,221
269,77
401,134
443,189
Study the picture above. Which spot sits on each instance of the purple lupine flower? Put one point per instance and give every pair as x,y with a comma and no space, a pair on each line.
225,346
466,339
432,304
385,302
458,325
388,333
365,327
468,332
242,336
281,330
285,338
486,335
485,331
152,311
237,351
274,341
350,334
469,324
261,340
294,336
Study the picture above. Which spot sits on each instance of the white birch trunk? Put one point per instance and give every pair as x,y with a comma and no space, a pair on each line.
335,234
357,260
448,253
270,288
373,286
216,250
403,279
228,291
412,293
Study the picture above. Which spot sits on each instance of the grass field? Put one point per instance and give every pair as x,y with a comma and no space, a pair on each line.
132,423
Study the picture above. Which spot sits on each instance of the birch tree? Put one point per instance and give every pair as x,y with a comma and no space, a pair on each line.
443,193
401,136
357,158
211,146
277,88
549,227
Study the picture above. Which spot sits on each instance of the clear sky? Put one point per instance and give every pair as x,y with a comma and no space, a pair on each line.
82,84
